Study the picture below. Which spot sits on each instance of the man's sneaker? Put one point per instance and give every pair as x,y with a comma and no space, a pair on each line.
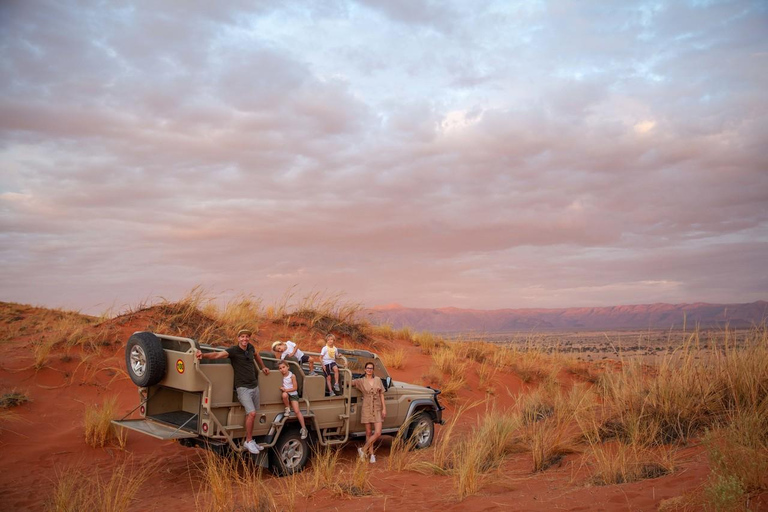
251,446
373,458
304,433
287,411
361,453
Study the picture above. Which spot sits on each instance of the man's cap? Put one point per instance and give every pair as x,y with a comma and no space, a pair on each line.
275,344
244,331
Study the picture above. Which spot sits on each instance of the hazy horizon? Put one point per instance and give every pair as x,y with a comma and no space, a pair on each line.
489,155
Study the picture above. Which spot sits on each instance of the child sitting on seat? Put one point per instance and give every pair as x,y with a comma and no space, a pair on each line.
329,363
291,395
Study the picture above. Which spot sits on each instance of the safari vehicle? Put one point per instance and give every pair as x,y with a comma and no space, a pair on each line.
193,402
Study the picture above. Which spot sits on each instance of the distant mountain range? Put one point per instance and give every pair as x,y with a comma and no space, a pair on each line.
643,316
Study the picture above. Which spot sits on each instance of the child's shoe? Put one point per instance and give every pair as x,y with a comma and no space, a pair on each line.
361,453
304,433
373,458
287,411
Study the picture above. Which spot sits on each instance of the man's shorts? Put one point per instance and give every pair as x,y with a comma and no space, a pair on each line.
328,368
293,397
249,397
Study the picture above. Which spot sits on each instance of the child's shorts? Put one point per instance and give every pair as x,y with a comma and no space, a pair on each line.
293,397
304,359
328,368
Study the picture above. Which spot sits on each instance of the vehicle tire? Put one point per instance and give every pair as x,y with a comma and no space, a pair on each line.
145,359
423,428
290,454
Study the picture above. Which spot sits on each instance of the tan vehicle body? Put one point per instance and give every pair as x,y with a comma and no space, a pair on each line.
194,403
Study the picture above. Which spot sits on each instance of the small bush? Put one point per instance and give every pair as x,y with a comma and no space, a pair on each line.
13,399
725,492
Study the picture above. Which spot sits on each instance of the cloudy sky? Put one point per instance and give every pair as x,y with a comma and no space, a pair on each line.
426,152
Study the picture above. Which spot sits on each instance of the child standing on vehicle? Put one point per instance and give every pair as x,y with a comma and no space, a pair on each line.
329,363
290,349
291,395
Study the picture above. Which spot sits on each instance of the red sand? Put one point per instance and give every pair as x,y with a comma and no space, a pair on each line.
47,440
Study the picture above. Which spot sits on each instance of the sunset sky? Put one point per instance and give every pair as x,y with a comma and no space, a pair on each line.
426,152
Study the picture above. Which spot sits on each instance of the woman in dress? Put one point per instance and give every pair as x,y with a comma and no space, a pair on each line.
373,410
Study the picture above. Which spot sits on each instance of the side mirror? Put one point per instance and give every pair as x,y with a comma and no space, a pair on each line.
387,383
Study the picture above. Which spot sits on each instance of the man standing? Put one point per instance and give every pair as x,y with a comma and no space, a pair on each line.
246,379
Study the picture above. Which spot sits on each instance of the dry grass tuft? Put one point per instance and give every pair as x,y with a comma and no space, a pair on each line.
99,429
618,463
394,359
357,483
427,342
75,490
323,466
400,451
232,484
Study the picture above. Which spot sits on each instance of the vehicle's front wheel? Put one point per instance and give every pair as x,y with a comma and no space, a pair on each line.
290,454
145,359
422,430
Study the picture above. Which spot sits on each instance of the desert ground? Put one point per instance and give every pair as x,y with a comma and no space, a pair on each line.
528,426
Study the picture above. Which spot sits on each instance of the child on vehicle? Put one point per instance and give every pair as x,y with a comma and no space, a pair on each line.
290,349
329,363
291,395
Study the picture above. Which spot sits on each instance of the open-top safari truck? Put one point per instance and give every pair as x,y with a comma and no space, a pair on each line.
193,402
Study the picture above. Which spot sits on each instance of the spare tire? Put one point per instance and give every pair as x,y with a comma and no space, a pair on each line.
145,359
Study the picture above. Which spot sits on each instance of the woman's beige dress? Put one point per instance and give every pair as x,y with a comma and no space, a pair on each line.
372,389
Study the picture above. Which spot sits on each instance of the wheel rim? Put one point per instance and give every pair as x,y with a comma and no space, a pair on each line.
138,361
291,454
423,434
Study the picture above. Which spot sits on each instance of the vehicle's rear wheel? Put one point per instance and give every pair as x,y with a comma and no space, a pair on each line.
422,430
145,359
290,454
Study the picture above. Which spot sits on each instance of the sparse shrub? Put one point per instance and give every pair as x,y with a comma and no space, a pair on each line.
725,492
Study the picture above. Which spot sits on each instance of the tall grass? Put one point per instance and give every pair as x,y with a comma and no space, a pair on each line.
356,482
394,359
232,484
427,342
75,490
323,467
690,389
99,429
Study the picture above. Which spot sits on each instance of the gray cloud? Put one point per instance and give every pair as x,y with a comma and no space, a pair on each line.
503,156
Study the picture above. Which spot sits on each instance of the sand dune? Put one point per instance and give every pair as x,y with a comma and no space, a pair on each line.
44,437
